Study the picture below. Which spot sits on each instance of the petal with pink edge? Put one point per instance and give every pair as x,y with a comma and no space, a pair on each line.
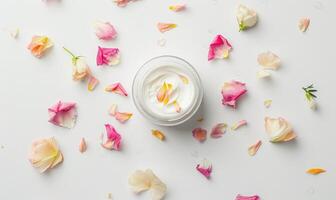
108,56
205,168
63,114
116,88
232,91
219,48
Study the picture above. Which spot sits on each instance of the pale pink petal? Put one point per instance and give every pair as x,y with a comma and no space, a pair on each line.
105,30
116,88
199,134
269,60
239,124
231,91
163,27
177,107
177,8
219,48
240,197
82,145
108,56
93,82
205,168
252,150
63,114
113,141
113,110
304,24
218,130
122,117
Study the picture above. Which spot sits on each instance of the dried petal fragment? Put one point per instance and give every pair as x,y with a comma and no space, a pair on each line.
184,79
164,93
105,30
122,3
146,180
199,134
219,48
14,33
108,56
269,60
268,103
279,130
263,74
315,171
304,24
205,168
122,117
252,150
45,154
92,83
177,8
177,106
113,141
82,145
39,44
231,91
113,110
116,88
63,114
240,197
218,130
158,134
200,119
238,124
163,27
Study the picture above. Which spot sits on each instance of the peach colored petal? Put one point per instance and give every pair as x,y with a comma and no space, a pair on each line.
158,134
205,168
113,110
82,145
269,60
184,79
122,117
315,171
218,130
93,82
279,130
163,27
39,45
177,8
164,93
199,134
238,124
304,24
232,91
177,107
63,114
252,150
116,88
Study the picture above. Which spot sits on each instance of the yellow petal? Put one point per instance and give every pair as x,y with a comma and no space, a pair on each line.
158,134
268,103
315,171
184,79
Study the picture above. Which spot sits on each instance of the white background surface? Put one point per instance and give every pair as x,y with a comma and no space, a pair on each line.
29,86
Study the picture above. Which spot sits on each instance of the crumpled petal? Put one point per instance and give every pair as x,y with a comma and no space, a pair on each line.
122,117
263,74
199,134
14,33
105,30
279,130
304,24
184,79
240,197
315,171
164,93
82,145
219,48
140,181
205,168
63,114
45,154
231,91
268,103
39,45
269,60
92,83
113,141
238,124
158,134
116,88
252,150
163,27
177,8
108,56
218,130
246,17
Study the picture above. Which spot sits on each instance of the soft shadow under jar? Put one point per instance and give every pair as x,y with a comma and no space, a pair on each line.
167,90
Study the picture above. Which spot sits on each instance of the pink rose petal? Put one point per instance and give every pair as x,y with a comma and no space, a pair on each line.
199,134
63,114
238,124
219,48
231,92
105,31
205,168
240,197
218,130
116,88
113,141
304,24
108,56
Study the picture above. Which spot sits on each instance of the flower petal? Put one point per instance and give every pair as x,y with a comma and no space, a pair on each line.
113,110
93,82
122,3
231,91
116,88
63,114
219,48
158,134
304,24
163,27
164,93
252,150
205,168
105,30
279,130
199,134
39,44
108,56
246,17
122,117
218,130
263,74
113,141
268,103
184,79
82,145
177,8
238,124
177,106
240,197
315,171
269,60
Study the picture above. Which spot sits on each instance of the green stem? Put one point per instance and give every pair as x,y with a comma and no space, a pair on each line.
69,52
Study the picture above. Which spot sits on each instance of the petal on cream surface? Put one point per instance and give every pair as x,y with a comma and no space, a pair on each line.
163,27
218,130
63,114
177,107
252,150
269,60
163,95
199,134
205,168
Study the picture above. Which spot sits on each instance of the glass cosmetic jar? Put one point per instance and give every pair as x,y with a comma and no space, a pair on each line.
167,90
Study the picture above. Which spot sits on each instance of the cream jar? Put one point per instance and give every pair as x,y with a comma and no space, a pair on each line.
167,90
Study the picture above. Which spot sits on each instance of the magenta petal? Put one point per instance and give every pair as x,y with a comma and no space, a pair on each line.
105,55
231,92
113,138
240,197
206,171
63,114
218,42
